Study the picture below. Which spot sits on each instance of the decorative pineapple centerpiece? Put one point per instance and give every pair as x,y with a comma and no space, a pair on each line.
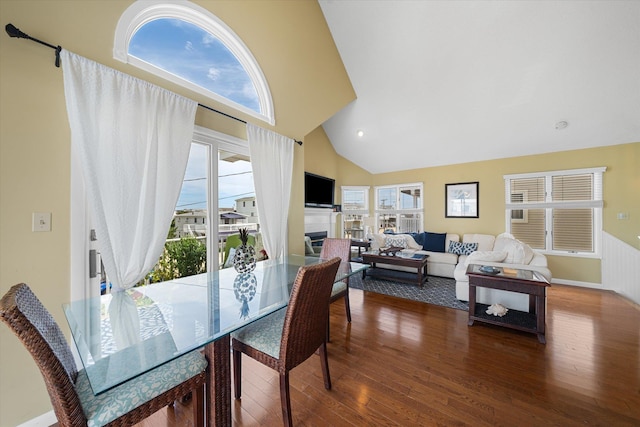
244,287
244,260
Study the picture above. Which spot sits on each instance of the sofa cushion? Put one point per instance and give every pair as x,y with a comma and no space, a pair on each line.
462,248
517,251
485,256
434,242
485,241
441,257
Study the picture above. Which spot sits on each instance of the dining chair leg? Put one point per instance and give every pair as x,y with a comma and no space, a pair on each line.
347,307
237,373
324,363
285,399
197,405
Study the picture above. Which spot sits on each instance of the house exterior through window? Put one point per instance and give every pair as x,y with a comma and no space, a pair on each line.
355,211
399,208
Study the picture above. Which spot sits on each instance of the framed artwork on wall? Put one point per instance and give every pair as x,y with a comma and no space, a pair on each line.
462,200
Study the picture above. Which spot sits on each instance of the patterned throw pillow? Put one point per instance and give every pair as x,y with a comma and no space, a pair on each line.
460,248
395,241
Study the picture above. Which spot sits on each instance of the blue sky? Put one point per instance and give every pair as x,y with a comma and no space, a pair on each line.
190,52
235,181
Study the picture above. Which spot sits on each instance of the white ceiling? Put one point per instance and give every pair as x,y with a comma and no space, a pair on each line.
445,82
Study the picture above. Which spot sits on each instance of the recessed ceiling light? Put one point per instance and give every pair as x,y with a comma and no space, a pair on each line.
561,125
360,133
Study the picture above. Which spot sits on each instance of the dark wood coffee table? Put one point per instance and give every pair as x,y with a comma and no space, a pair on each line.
419,263
513,280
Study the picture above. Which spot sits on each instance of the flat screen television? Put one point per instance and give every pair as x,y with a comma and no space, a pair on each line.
318,191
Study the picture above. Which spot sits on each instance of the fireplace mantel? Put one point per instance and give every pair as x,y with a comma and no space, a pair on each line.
320,219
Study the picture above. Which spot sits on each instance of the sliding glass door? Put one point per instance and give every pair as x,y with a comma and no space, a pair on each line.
208,210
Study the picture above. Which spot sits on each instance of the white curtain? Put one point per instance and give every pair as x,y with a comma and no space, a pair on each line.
133,139
272,164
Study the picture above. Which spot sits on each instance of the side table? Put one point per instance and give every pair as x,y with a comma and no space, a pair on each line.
360,244
513,280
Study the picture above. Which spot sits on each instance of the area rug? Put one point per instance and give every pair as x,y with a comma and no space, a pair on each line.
437,290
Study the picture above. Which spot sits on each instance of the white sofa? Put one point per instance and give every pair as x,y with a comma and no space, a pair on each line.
439,263
501,251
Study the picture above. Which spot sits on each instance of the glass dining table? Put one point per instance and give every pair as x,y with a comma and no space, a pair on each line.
124,334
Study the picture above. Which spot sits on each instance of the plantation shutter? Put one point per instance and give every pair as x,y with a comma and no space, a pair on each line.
555,210
573,227
527,225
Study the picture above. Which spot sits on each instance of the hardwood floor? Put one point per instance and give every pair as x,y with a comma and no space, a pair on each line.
407,363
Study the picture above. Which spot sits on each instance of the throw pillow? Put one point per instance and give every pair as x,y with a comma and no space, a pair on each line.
399,241
517,251
418,237
434,242
459,248
308,248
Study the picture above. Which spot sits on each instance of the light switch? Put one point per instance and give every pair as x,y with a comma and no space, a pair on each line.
41,221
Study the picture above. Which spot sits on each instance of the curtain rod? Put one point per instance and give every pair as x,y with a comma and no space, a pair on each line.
15,32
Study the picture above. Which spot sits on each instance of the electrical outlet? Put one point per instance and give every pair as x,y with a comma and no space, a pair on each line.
41,221
623,215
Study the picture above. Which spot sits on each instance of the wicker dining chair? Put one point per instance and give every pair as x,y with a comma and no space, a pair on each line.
73,401
341,248
288,337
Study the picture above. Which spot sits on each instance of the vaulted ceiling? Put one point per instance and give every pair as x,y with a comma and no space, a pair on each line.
446,82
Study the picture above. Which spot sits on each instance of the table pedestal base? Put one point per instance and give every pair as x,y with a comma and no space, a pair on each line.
218,393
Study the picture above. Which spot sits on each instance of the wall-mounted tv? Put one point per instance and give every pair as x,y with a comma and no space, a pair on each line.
318,191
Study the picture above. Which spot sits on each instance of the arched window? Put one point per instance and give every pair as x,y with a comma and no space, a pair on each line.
188,45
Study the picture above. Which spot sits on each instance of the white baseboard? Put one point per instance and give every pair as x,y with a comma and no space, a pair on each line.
578,283
44,420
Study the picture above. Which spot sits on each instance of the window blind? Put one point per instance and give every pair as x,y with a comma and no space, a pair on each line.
556,210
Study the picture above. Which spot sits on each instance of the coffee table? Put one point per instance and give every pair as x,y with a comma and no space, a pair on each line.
513,280
419,262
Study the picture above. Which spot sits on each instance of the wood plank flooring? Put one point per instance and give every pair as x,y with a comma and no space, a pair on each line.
408,363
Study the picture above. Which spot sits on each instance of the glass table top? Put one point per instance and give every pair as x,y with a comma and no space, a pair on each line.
506,272
121,335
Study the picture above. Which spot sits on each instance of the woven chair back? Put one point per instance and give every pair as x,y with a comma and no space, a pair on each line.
30,321
308,313
332,247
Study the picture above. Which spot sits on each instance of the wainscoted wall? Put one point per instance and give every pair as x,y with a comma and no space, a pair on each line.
620,267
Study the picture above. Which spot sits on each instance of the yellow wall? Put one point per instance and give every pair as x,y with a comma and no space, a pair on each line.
290,40
321,158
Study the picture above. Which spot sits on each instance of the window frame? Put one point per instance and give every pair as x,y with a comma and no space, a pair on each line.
140,13
549,205
397,211
347,213
365,191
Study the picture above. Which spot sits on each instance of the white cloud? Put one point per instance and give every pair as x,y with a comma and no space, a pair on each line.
249,90
208,39
188,46
213,73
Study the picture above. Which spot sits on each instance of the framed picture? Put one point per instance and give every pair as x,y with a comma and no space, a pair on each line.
462,200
